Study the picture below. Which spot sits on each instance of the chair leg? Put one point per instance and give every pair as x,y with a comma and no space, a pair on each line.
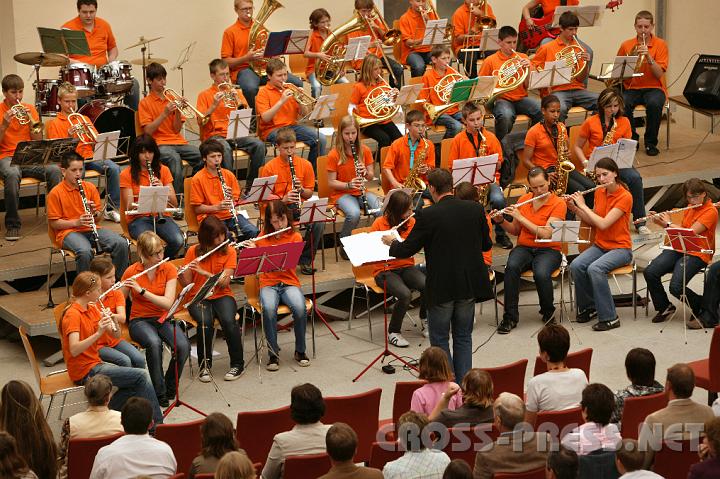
634,292
49,271
335,236
352,306
52,398
497,312
62,406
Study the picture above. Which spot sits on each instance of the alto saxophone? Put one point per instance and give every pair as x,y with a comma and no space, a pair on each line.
564,165
413,180
483,190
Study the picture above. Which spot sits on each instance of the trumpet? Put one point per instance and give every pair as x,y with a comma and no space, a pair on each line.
677,210
641,58
303,99
518,205
185,107
82,128
22,115
230,97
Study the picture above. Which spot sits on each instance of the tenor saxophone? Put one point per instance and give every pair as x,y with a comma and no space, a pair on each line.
564,165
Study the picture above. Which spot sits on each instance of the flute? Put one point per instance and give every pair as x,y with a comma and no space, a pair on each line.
591,190
678,210
202,257
239,245
397,227
518,205
167,210
106,312
120,284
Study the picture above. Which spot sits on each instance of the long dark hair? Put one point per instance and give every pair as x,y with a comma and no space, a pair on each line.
610,165
144,143
397,206
210,228
11,463
217,436
277,208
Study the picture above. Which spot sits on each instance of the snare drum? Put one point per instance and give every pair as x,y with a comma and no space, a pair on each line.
108,116
115,77
47,96
80,75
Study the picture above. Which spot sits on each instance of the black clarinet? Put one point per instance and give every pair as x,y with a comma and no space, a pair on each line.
227,194
363,198
93,226
294,207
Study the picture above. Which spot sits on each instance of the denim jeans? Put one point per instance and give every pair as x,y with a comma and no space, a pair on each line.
579,97
631,177
316,86
291,296
172,156
350,205
542,261
654,101
249,83
456,316
313,237
131,382
400,283
711,295
383,133
312,138
590,274
247,229
79,243
123,354
151,335
11,175
506,111
111,170
165,228
251,145
496,199
224,309
452,124
418,62
673,262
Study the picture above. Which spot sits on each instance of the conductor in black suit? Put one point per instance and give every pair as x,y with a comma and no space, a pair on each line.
454,234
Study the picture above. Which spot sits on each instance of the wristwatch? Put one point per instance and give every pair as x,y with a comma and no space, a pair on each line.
667,225
142,292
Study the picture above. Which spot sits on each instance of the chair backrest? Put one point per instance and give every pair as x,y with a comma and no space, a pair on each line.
81,454
574,133
138,127
384,181
309,466
559,423
383,452
445,153
298,64
534,474
341,104
598,465
184,439
402,397
359,411
509,378
579,359
256,429
636,409
252,290
322,177
58,315
464,441
190,216
674,459
714,356
30,354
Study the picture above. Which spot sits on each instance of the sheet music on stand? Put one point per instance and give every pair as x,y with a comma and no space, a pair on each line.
152,200
589,15
367,247
622,152
565,232
622,68
478,88
434,32
205,290
324,106
261,190
106,146
477,171
408,94
315,210
489,40
685,240
288,42
239,124
63,41
42,152
554,73
357,48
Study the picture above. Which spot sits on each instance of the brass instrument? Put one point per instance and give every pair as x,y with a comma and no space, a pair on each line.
22,115
230,97
484,19
443,89
572,56
380,103
429,9
641,58
303,99
258,36
564,165
478,21
184,107
82,128
93,226
511,74
413,180
483,190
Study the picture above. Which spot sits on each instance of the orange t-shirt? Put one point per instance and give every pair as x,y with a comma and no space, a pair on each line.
365,32
429,80
316,40
493,64
288,114
126,181
461,22
101,40
461,148
207,190
59,127
346,171
64,203
617,235
220,118
111,302
288,276
706,215
545,153
412,27
215,263
546,53
658,51
381,224
592,131
554,207
235,43
487,255
15,132
141,306
357,97
150,108
84,322
281,168
398,158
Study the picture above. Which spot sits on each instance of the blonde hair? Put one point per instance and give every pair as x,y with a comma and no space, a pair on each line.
66,89
434,365
84,282
345,122
366,72
147,243
235,465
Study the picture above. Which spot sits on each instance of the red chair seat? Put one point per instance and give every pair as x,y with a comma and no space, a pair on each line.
701,368
636,409
81,454
359,411
674,459
561,421
184,439
578,359
256,429
310,466
383,452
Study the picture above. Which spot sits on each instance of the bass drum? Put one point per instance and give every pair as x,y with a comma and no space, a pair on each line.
108,116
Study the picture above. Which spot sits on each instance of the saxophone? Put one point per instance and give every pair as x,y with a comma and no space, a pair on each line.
608,140
564,165
483,190
413,180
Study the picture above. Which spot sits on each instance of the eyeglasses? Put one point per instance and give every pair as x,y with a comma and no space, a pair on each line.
246,9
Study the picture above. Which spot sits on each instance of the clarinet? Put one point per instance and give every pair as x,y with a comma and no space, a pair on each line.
227,194
151,173
363,198
294,207
93,226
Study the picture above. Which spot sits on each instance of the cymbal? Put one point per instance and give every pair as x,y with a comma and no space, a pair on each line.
148,61
42,59
143,41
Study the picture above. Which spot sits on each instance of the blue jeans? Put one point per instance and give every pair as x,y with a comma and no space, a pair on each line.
123,354
165,228
316,86
222,308
131,382
654,101
456,316
496,199
506,111
673,262
590,274
711,295
111,170
350,205
172,156
249,83
632,178
312,138
580,97
542,261
247,229
151,335
11,176
79,243
451,123
251,145
418,61
291,296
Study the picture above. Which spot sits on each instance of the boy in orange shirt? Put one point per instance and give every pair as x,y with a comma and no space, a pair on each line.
466,23
515,102
649,89
72,224
440,57
412,29
293,194
162,120
319,31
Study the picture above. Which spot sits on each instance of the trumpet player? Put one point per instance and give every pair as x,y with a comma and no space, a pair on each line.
412,28
217,104
649,89
161,119
62,127
278,106
20,122
467,28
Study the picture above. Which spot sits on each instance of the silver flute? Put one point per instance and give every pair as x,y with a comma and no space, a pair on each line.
120,284
202,257
518,205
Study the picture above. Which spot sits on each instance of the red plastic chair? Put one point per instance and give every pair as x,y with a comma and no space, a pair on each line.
207,475
706,377
401,404
565,421
256,429
361,412
508,378
465,442
81,454
636,409
674,459
180,476
310,466
579,359
535,474
184,440
383,452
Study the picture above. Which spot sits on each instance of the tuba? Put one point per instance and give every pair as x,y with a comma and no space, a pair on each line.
413,180
258,36
510,75
443,89
380,103
564,165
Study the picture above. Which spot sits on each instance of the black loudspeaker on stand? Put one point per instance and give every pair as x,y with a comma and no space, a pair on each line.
703,87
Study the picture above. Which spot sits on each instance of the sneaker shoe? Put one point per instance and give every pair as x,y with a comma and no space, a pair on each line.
643,230
693,323
302,359
606,325
233,374
651,150
586,316
178,215
12,234
663,315
204,375
396,339
425,330
505,326
503,241
273,363
112,215
307,270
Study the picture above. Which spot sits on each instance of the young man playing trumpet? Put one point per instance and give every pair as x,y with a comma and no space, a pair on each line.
412,28
467,28
451,118
278,106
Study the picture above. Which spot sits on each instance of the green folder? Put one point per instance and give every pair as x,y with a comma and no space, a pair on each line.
462,90
64,42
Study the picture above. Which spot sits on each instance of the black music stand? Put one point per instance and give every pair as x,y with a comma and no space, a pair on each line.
41,152
261,190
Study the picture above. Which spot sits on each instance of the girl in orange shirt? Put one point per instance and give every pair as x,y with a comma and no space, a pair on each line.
400,276
319,31
612,248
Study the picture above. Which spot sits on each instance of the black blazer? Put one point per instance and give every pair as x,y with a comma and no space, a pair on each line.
454,234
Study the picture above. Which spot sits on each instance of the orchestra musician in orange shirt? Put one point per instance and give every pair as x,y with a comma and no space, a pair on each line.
319,31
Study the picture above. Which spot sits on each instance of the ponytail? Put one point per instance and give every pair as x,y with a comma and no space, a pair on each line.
84,282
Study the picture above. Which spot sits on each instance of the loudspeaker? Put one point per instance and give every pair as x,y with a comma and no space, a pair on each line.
703,87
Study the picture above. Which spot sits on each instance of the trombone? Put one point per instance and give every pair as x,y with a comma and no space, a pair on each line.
184,106
390,38
82,128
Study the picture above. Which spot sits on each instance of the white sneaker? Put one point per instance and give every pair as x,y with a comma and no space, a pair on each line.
643,230
112,215
396,339
425,330
204,375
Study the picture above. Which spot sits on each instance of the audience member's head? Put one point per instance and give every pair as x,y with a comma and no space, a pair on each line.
434,366
217,436
341,442
640,367
477,388
11,462
629,457
410,430
458,469
712,436
306,404
680,381
598,403
509,411
136,416
562,464
554,342
235,465
98,390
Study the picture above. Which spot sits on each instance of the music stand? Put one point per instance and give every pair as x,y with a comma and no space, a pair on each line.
477,171
324,106
434,33
152,200
41,152
63,41
622,152
239,124
554,73
622,68
588,16
261,190
288,42
488,37
357,48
